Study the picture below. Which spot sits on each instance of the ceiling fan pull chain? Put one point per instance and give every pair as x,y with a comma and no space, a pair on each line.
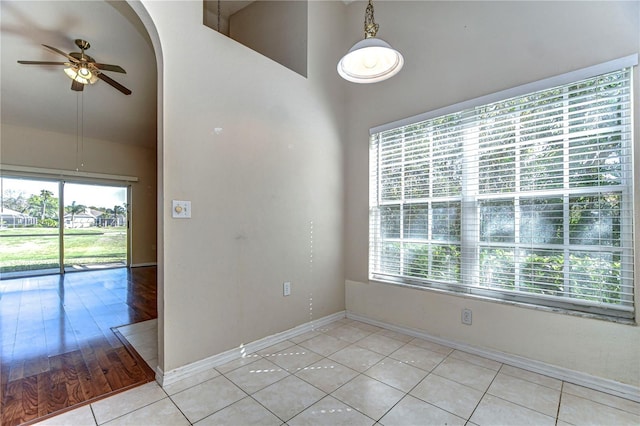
82,130
77,130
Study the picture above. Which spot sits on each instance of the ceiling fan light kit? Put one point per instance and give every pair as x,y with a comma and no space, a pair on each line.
81,75
83,69
370,60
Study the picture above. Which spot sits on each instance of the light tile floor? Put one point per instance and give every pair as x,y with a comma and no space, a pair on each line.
351,373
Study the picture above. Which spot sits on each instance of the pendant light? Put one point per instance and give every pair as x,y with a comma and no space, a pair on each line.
372,59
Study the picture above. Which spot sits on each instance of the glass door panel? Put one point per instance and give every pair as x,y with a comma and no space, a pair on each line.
29,231
95,226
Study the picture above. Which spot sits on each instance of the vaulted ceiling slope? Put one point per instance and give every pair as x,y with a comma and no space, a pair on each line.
41,97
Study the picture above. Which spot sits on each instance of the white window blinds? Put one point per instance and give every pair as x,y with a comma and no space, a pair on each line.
527,198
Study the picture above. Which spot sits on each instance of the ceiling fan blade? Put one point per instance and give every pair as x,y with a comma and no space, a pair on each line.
43,63
78,87
107,67
114,83
71,58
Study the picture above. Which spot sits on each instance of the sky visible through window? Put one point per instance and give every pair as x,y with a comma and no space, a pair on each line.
88,195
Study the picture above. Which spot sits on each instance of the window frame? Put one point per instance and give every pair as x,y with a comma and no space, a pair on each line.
470,231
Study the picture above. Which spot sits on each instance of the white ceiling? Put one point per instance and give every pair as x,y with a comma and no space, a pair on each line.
41,96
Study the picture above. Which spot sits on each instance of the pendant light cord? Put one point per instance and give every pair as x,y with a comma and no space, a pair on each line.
370,26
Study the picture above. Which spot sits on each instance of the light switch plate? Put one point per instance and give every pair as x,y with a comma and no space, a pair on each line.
181,209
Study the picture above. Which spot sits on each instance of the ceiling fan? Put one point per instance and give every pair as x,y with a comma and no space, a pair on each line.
82,69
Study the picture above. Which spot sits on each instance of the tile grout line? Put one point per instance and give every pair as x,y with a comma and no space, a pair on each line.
559,402
435,374
604,404
95,420
324,357
530,381
403,396
132,411
293,374
372,378
267,408
404,344
343,385
515,403
199,420
176,405
484,394
250,395
328,395
363,373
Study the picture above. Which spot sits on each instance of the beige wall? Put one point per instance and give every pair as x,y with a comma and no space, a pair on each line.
456,51
277,29
30,147
281,193
266,191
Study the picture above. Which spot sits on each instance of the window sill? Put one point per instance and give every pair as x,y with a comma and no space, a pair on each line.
465,294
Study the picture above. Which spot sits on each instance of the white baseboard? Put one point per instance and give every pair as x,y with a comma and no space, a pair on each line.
604,385
141,265
172,376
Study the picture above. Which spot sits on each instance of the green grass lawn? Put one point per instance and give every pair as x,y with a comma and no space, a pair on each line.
27,249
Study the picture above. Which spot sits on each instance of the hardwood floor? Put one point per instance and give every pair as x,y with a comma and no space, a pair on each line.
58,349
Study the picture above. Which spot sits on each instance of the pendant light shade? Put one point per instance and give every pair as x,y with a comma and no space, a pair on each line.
372,59
369,61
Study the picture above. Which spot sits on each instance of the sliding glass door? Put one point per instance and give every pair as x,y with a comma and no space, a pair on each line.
52,226
95,226
29,226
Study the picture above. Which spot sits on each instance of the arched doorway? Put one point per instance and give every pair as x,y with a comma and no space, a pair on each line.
152,32
70,133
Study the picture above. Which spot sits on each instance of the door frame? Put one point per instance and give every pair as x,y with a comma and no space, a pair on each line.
75,177
61,227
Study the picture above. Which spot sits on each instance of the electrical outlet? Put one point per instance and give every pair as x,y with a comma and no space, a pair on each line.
466,316
286,289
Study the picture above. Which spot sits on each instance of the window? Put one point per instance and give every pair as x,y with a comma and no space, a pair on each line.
526,197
